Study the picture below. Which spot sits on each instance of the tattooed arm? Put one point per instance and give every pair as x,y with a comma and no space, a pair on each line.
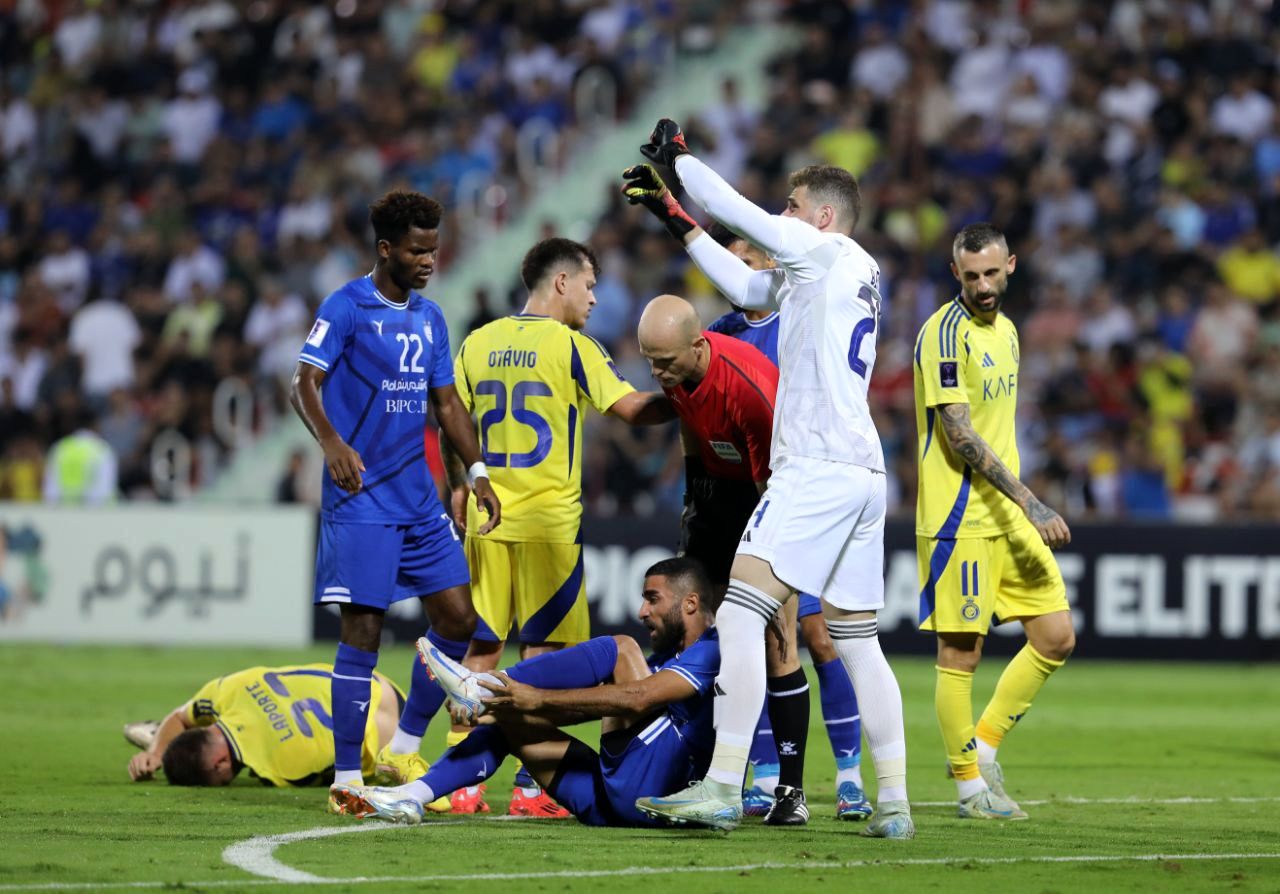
970,447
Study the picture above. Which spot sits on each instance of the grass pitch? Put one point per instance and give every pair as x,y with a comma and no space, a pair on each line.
1129,772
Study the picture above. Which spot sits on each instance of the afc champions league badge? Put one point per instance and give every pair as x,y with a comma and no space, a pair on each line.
970,609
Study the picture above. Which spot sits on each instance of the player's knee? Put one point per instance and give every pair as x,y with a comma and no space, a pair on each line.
960,652
1060,645
629,650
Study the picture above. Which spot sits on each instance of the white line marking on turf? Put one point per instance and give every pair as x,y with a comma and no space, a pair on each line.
1130,800
637,870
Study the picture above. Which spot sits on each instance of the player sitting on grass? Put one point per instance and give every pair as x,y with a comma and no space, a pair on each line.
655,715
275,721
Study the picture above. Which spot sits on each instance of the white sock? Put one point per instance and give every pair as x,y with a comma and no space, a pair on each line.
986,753
849,774
879,702
740,686
766,784
348,777
967,788
418,790
403,743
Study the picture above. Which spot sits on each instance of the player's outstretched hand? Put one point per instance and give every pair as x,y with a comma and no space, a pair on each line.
666,143
512,695
487,501
345,465
1053,530
144,765
642,185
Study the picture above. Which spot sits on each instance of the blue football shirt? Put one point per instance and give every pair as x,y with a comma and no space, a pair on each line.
763,334
699,664
380,360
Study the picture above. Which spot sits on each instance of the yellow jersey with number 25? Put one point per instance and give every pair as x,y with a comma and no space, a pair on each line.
527,380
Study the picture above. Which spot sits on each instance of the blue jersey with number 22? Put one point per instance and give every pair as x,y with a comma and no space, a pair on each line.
380,361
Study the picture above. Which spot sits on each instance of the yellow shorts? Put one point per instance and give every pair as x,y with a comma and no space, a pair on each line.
539,586
967,585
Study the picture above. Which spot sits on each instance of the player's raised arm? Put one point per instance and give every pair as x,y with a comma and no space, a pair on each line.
969,446
744,287
344,463
457,426
667,146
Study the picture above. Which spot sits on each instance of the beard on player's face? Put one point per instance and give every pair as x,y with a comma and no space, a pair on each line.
988,299
666,632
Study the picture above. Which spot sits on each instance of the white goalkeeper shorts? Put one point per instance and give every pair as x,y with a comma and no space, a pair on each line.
820,525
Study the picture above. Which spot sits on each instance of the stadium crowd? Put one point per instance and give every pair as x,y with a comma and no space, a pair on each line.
1130,152
184,180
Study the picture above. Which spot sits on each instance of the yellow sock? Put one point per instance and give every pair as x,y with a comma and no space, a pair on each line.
1018,686
952,699
455,737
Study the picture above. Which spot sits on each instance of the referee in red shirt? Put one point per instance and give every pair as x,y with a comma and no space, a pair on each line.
724,389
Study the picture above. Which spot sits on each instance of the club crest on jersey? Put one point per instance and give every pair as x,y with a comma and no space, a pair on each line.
318,332
726,451
970,610
426,330
948,374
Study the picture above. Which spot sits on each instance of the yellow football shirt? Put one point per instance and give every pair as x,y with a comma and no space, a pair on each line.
527,380
279,721
959,359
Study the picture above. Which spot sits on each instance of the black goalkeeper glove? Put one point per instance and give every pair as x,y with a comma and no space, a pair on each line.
666,144
644,187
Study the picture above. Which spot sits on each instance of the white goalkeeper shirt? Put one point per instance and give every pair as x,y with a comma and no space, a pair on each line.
827,287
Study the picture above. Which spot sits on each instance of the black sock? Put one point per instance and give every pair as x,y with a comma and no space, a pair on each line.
789,717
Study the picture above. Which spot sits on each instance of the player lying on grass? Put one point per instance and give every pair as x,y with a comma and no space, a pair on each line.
275,721
655,715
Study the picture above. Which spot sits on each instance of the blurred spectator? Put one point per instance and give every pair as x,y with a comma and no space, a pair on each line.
80,468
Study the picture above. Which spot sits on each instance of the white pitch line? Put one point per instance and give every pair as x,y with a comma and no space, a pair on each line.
642,870
1130,800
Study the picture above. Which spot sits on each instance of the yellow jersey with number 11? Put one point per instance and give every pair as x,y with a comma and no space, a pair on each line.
959,359
527,380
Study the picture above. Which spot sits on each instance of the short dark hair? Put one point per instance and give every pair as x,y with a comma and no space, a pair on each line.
550,255
976,237
398,211
184,759
832,185
722,234
688,573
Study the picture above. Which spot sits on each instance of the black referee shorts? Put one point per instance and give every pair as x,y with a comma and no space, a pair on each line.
716,512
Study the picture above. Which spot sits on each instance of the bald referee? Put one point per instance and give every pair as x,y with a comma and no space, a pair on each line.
723,389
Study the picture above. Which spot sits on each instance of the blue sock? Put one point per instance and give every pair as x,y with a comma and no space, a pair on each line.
425,694
350,691
577,667
470,762
840,713
764,752
524,780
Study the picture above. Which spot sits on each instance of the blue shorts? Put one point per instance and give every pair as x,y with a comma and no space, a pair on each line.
601,789
809,605
376,565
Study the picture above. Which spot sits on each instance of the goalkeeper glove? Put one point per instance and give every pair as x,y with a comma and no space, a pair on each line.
666,144
644,187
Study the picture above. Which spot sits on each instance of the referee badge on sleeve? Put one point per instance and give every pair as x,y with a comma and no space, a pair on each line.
948,374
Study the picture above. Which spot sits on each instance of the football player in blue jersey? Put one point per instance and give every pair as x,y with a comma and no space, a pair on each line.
655,714
376,359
